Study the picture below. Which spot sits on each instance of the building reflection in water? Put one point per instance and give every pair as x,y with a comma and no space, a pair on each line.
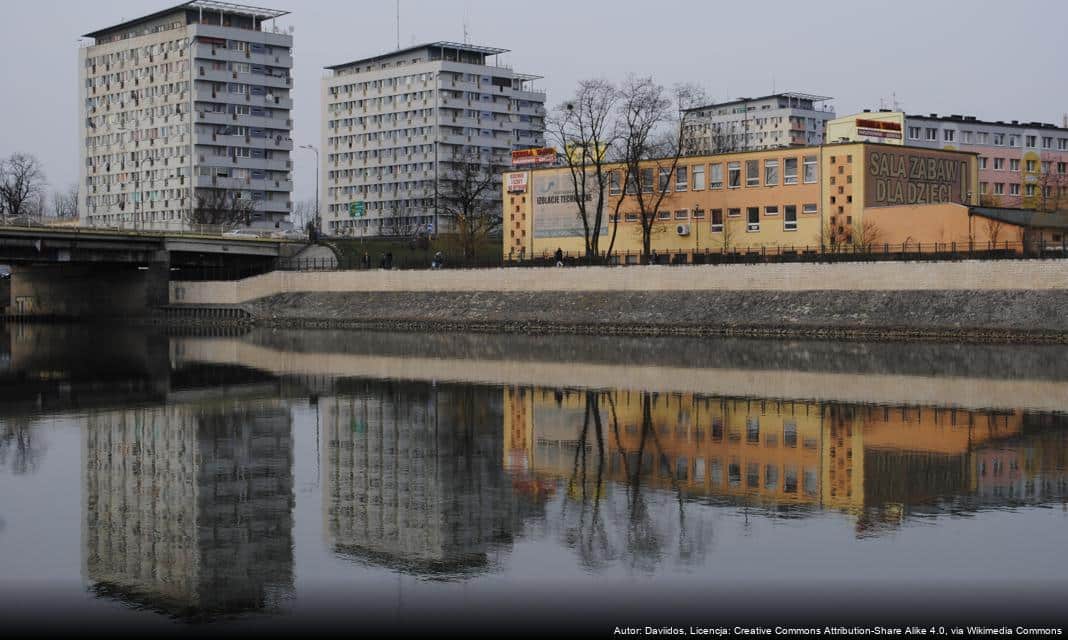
879,463
414,477
188,508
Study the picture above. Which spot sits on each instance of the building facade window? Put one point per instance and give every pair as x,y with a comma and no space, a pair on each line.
771,173
789,171
753,219
717,220
682,182
789,217
698,177
734,175
715,176
1014,165
914,133
811,173
931,134
948,135
752,173
999,164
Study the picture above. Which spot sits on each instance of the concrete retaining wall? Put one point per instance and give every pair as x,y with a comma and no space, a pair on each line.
1034,275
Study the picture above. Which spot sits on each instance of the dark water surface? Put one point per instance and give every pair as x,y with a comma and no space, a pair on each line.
281,482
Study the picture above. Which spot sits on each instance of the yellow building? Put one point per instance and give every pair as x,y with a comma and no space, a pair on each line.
849,457
790,199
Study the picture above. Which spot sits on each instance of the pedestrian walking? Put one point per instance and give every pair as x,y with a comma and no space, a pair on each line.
559,255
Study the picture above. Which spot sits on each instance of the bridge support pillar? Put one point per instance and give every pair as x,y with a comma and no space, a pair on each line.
157,281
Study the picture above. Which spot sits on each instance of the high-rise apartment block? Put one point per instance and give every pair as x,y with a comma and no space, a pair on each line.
394,124
187,119
755,124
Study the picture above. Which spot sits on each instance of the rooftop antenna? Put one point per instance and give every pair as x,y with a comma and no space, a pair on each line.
398,24
465,24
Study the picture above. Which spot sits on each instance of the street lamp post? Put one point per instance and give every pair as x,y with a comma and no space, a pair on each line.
318,220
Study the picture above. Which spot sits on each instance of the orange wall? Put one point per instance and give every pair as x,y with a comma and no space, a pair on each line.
934,223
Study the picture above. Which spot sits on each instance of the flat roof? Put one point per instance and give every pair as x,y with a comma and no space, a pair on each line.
973,120
489,51
811,147
211,5
1022,217
784,94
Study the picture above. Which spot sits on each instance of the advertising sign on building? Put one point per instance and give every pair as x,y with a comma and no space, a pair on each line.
555,212
543,157
912,176
878,129
356,209
517,182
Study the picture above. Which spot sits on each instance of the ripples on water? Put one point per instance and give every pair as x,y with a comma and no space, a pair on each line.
455,481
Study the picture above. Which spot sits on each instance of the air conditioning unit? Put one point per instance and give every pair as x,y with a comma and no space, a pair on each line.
682,229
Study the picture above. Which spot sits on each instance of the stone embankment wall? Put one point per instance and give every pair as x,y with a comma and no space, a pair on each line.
983,301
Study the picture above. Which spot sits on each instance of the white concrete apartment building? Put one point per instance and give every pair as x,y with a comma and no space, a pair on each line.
392,123
194,97
753,124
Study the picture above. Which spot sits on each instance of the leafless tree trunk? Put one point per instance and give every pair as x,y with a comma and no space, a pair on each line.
221,207
584,128
865,235
469,193
22,184
65,202
653,131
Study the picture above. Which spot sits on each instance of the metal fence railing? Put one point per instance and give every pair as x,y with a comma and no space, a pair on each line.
934,251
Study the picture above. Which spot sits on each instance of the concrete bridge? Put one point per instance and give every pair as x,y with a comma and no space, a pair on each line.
80,272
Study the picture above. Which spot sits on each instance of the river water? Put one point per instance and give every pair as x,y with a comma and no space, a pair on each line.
284,481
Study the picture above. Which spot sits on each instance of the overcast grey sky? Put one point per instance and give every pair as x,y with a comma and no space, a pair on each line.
995,60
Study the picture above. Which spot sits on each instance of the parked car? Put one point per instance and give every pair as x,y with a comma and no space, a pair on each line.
243,233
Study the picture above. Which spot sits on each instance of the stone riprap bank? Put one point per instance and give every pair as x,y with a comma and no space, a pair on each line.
987,301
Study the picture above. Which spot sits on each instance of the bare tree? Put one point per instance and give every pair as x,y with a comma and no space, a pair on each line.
653,125
865,235
303,213
65,202
469,193
22,184
993,230
221,207
584,128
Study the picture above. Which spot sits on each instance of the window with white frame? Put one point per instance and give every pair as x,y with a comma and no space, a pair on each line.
982,162
771,210
1031,141
665,179
752,173
931,133
948,135
999,164
682,214
809,208
811,173
734,175
681,178
999,139
1014,140
1029,190
614,186
1014,189
715,176
999,188
752,219
914,133
789,217
717,219
789,171
1014,165
771,173
697,177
